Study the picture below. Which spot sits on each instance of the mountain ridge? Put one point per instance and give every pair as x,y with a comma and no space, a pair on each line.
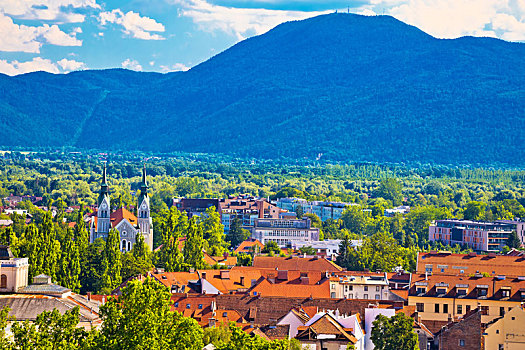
346,86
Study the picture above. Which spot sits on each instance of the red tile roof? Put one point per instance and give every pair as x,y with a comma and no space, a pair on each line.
453,264
296,263
247,246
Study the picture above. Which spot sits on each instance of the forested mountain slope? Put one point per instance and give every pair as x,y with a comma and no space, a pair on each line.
347,86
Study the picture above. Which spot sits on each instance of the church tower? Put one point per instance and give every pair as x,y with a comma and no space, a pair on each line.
103,208
143,212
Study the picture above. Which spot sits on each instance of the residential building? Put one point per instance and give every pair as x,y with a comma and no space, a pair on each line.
445,262
370,316
195,206
246,209
284,232
250,246
403,210
506,332
324,210
126,223
329,248
462,334
13,271
330,330
440,297
480,236
360,285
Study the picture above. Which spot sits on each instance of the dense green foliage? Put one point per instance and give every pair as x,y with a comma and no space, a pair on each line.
376,89
141,318
394,333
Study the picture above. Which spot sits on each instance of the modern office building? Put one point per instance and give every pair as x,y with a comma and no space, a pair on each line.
285,232
480,236
324,210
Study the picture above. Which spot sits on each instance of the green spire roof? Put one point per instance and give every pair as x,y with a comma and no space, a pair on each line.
143,186
104,184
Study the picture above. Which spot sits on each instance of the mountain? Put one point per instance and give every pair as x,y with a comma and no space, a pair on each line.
351,87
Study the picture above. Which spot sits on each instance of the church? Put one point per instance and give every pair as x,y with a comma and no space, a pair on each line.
121,219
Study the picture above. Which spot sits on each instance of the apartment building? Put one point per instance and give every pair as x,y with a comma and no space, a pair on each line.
480,236
324,210
247,209
285,232
360,286
440,297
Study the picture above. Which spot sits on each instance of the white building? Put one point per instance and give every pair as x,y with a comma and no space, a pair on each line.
285,232
370,286
370,317
13,271
404,209
127,224
324,210
328,247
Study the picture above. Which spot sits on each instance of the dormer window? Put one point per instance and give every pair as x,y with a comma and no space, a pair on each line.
505,292
482,290
441,291
421,290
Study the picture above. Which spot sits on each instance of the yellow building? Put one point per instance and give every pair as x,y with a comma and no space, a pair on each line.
448,297
507,332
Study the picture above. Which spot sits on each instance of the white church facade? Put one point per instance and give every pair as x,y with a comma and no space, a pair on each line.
121,219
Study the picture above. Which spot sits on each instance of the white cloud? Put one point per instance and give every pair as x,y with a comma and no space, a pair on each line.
132,64
71,65
135,25
177,67
37,64
48,10
152,63
239,22
40,64
14,37
455,18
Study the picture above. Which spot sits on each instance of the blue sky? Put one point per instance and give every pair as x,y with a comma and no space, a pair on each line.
60,36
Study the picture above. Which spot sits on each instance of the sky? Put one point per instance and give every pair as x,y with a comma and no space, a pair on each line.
61,36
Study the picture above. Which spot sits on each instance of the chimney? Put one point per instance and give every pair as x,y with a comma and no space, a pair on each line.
89,296
242,281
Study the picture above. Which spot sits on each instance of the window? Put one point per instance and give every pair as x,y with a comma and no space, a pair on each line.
177,304
436,308
420,290
366,288
467,308
482,292
188,306
445,308
3,281
502,311
123,245
505,293
129,246
365,296
200,306
225,314
420,307
378,297
460,310
350,287
377,288
332,295
461,342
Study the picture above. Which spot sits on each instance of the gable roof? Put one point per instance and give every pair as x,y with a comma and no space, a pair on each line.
296,263
247,246
326,324
120,214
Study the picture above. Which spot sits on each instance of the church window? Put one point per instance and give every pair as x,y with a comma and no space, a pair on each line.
124,233
3,281
123,245
129,246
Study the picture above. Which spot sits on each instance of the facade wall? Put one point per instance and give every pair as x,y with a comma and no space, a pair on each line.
507,332
465,335
494,307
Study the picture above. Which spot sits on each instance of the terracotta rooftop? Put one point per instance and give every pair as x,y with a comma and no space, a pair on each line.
247,246
453,264
326,325
296,263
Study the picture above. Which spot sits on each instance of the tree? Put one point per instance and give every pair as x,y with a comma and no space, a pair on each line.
111,262
354,219
213,231
52,331
394,333
474,210
299,211
390,189
514,241
308,250
193,248
237,234
173,226
141,319
69,264
271,247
